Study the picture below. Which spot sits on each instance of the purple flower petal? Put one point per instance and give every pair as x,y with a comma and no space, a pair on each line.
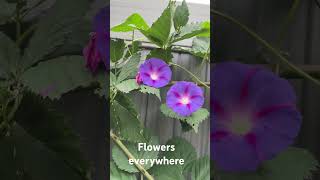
91,54
155,73
184,98
97,50
254,116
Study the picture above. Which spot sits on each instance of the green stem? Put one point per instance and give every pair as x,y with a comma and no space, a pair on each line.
267,46
191,74
117,140
287,21
26,34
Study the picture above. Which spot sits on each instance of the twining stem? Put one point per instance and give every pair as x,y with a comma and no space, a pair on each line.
267,46
117,140
288,19
191,74
173,82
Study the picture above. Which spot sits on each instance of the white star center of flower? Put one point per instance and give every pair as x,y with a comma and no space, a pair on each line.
154,76
185,100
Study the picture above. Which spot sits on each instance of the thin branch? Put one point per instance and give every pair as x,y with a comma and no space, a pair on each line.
191,74
287,21
267,46
117,140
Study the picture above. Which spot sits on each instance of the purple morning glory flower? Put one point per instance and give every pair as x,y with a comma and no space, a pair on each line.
184,98
155,73
97,49
254,116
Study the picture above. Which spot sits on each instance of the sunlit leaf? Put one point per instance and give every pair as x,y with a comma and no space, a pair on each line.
194,120
181,15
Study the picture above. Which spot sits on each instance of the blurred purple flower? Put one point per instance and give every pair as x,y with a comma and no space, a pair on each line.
184,98
254,116
138,78
97,49
155,73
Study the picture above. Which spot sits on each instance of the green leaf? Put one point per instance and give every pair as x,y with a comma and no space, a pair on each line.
166,172
43,136
103,81
74,42
6,11
292,164
183,150
127,86
7,160
165,55
160,29
126,101
192,30
133,22
126,123
199,169
9,55
58,76
117,47
121,160
194,120
53,29
181,15
130,68
133,48
201,47
117,174
150,90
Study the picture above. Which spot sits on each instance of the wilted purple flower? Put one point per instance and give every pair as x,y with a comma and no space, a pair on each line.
254,116
184,98
97,49
155,73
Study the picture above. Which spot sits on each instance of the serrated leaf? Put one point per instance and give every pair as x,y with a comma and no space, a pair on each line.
58,76
104,84
150,90
43,136
194,120
130,68
199,169
181,15
121,160
6,11
9,55
201,47
126,123
117,47
127,86
183,150
160,29
117,174
165,55
292,164
192,30
126,101
75,41
133,22
53,29
166,172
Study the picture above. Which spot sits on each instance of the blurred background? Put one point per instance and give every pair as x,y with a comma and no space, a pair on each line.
299,41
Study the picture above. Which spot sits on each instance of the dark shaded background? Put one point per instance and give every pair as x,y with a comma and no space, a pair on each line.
302,42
